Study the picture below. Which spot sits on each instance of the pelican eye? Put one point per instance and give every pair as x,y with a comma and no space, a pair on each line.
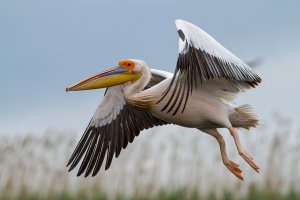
127,64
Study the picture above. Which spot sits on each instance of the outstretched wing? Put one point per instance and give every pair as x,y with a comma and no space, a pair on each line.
202,58
113,125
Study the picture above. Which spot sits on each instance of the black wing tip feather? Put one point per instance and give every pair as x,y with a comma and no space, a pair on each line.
102,143
80,143
197,66
181,34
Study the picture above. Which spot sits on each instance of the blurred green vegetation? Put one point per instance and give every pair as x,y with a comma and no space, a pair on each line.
253,194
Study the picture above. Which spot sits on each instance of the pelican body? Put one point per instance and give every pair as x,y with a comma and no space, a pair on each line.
198,95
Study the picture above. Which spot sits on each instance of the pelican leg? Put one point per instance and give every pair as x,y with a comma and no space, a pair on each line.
232,166
242,152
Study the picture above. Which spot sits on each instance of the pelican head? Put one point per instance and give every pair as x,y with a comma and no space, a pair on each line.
127,70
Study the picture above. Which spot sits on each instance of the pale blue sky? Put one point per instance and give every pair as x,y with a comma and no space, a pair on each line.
47,45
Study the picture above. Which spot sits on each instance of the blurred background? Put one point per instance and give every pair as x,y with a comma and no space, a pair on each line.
47,45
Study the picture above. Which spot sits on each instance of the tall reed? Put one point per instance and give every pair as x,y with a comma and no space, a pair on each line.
164,159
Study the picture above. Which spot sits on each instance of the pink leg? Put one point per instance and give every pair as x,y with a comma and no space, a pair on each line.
241,151
232,166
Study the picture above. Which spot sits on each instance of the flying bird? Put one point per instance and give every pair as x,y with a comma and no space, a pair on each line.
199,95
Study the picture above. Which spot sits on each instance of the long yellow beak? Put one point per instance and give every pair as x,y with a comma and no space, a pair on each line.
108,78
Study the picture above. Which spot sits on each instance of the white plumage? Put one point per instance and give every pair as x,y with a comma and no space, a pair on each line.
110,107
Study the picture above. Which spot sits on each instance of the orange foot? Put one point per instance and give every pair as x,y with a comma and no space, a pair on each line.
249,160
234,168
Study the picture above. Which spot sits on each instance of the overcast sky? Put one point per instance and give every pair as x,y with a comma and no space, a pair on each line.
47,45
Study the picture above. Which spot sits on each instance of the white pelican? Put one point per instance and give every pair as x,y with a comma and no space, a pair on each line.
198,95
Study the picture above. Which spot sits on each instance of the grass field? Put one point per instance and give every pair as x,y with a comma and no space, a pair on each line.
253,195
163,163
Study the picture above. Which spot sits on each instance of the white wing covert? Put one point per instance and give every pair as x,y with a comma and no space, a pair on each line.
110,107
